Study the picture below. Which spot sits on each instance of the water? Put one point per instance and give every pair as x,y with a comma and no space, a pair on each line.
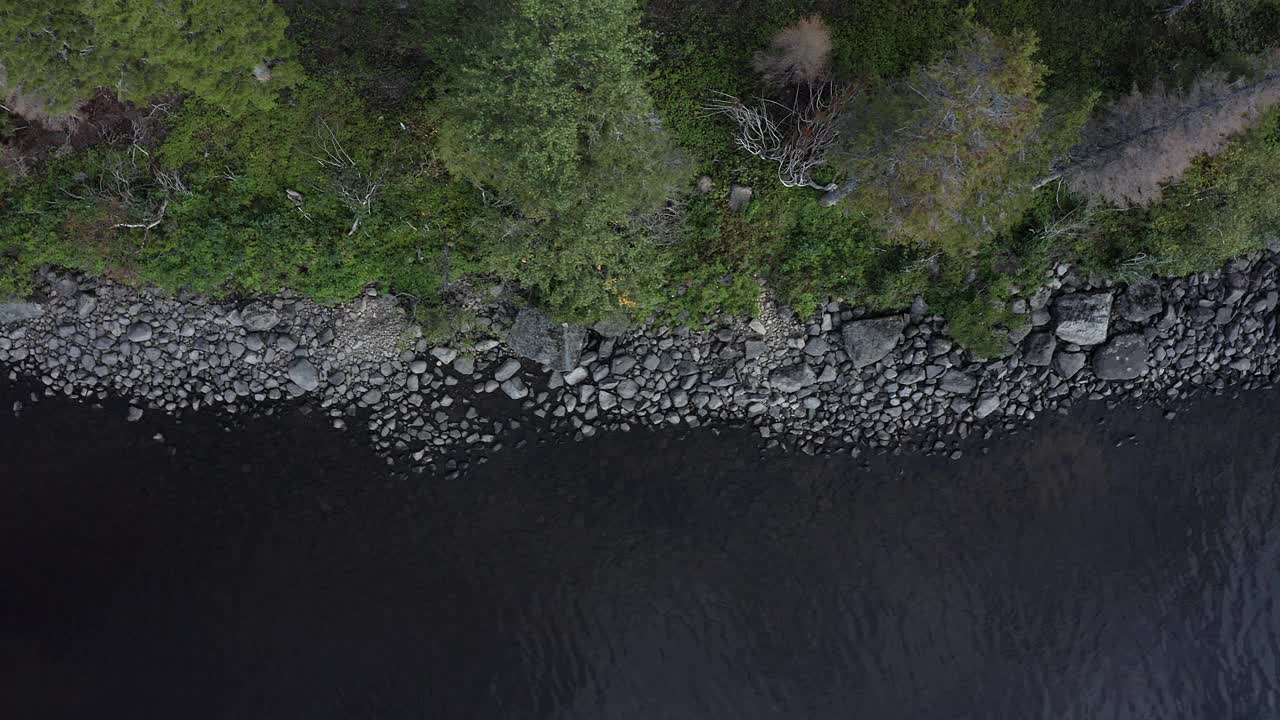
279,571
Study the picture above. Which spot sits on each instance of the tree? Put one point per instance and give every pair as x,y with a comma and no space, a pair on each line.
947,156
548,105
1144,140
233,54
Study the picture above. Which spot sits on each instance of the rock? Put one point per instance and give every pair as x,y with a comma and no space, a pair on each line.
606,400
139,332
11,312
134,414
792,378
622,365
957,382
1039,349
514,388
739,196
817,347
371,397
627,389
987,404
613,326
754,348
417,367
576,375
85,305
704,185
536,337
1140,302
1083,318
1124,357
444,355
506,370
304,375
1068,364
464,365
259,317
869,341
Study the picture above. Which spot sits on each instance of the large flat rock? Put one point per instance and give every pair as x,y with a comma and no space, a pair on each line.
1083,318
536,337
12,312
868,341
1123,358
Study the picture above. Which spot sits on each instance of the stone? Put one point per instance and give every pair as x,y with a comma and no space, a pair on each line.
464,365
304,375
1067,364
514,388
957,382
417,367
1039,349
139,332
1124,357
371,397
868,341
792,378
1083,318
85,305
817,347
1140,302
12,312
134,414
576,375
739,197
987,404
622,365
627,389
444,355
704,185
754,348
506,370
259,317
536,337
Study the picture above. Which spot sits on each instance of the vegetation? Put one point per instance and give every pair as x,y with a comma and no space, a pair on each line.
580,152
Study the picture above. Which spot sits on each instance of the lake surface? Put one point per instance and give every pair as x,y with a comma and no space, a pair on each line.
280,570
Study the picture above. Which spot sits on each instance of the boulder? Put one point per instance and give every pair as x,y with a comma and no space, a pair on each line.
259,317
304,375
12,312
1140,302
506,370
1039,349
739,196
792,378
1083,318
869,341
139,332
536,337
987,404
1124,357
957,382
1068,364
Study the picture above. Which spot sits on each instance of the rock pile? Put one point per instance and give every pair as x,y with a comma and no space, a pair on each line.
842,380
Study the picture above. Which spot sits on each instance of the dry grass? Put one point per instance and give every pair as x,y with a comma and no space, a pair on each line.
798,54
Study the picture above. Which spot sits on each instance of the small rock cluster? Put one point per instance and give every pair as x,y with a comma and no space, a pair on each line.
843,380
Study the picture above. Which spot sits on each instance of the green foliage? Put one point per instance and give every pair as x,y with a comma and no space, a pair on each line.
549,105
942,156
1225,205
66,49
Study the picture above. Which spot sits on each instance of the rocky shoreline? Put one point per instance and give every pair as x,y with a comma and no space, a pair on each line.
844,381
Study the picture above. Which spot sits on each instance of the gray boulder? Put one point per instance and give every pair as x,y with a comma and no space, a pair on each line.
1140,302
792,378
11,312
536,337
987,404
957,382
1083,318
259,317
507,370
1039,349
304,375
869,341
739,196
1067,364
1123,358
515,388
139,332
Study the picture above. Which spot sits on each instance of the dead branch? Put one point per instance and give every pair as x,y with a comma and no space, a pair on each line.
146,225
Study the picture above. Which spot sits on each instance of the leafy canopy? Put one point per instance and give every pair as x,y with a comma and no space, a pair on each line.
67,49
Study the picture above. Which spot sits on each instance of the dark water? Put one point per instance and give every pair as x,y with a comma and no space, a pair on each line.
279,571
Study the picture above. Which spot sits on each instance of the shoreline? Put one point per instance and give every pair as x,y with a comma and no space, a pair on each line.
843,382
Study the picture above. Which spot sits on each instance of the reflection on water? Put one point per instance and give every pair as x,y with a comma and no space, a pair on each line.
277,572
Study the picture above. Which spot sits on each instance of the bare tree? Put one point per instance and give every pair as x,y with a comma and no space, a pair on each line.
1146,139
355,188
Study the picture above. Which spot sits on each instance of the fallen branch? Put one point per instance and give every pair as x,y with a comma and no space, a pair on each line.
146,225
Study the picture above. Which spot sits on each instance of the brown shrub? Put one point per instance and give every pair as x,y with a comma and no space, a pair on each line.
798,54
